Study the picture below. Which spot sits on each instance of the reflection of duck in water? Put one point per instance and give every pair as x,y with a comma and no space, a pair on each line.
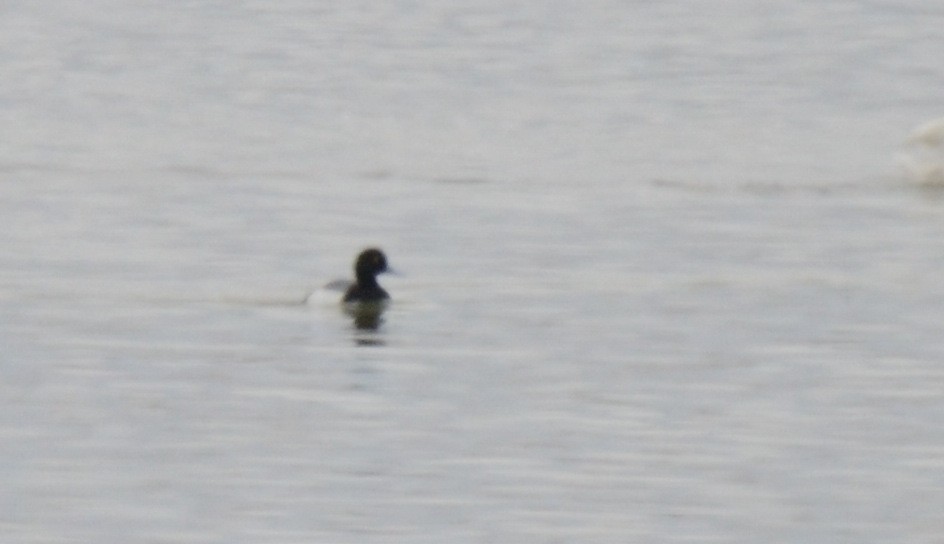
366,300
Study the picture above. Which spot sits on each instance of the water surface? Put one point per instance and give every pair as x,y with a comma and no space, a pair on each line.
663,277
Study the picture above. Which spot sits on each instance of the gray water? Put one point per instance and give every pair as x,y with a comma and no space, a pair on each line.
662,277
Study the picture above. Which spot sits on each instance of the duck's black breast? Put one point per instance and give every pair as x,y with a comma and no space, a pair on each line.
369,293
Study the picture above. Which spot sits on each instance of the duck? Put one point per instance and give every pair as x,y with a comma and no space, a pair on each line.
365,289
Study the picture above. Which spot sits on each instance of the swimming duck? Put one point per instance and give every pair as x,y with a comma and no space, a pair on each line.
369,263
